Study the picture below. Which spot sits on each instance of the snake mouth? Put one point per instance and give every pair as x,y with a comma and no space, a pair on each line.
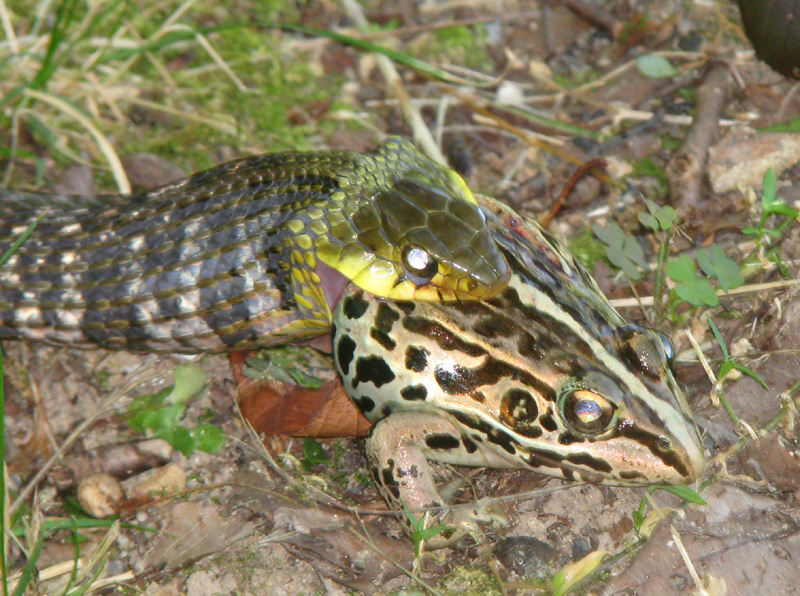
333,283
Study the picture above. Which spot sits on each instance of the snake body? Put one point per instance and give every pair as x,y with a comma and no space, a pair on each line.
246,254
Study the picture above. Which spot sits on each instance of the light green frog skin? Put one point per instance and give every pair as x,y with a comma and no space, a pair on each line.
545,376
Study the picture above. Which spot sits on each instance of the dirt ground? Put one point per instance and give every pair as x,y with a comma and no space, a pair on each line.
549,87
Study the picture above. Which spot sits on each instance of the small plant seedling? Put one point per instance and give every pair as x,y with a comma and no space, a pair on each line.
771,205
622,250
715,263
660,218
690,286
159,414
697,290
420,533
572,574
728,363
686,493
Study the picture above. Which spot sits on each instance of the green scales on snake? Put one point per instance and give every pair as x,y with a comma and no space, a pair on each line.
539,373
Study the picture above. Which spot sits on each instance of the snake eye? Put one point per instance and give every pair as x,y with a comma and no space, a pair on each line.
419,265
586,412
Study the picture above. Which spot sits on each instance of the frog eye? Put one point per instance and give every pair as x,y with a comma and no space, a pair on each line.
645,351
419,265
669,347
586,412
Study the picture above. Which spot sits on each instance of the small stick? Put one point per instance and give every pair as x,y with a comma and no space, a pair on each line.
686,168
594,164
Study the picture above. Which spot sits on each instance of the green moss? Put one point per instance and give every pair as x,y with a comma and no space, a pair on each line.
468,581
459,45
586,248
647,167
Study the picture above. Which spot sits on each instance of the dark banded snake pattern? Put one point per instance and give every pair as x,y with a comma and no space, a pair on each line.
247,254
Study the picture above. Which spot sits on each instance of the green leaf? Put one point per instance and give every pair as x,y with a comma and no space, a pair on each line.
571,574
157,418
718,336
698,292
305,380
426,533
686,493
631,270
704,262
622,250
750,373
648,221
659,218
655,67
726,367
633,251
715,263
781,208
287,364
181,439
611,233
189,380
313,454
725,269
209,438
729,363
769,184
681,269
616,257
666,216
30,567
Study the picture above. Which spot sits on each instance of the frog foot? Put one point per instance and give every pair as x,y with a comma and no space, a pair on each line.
398,450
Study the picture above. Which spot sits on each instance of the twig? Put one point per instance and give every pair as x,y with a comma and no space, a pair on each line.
749,289
595,15
598,164
686,168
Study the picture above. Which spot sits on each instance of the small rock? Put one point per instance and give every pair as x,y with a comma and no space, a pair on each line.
76,179
160,481
146,170
740,160
100,495
158,447
529,557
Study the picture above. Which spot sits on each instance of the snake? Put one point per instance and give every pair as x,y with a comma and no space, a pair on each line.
244,255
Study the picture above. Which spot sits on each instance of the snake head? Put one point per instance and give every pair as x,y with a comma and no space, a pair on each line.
420,236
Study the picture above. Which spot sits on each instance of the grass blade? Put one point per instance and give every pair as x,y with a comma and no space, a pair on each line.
30,567
8,254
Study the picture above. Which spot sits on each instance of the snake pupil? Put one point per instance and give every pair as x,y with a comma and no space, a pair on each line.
419,265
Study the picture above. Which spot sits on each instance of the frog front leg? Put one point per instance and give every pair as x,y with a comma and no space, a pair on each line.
398,451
